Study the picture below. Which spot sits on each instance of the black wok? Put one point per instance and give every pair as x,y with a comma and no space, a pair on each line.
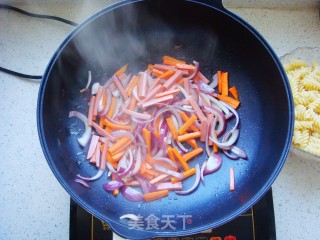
138,33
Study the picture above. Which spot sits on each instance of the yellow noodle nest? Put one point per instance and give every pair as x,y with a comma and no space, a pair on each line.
305,84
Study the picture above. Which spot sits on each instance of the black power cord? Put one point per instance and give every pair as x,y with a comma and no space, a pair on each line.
59,19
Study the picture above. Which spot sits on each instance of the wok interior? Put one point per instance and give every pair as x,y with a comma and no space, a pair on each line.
142,33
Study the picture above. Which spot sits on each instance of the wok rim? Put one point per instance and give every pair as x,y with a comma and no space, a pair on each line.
120,228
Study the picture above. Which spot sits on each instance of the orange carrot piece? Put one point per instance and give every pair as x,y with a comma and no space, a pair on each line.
116,157
172,128
120,87
149,197
150,66
112,107
170,154
104,154
131,84
219,82
185,118
196,107
121,70
181,81
173,79
188,156
184,66
215,148
157,100
193,143
186,174
118,145
132,103
188,136
187,124
183,163
231,179
144,170
101,121
104,99
173,91
114,126
111,161
159,178
156,73
90,112
171,59
203,130
166,74
146,134
224,83
234,92
97,100
156,130
231,101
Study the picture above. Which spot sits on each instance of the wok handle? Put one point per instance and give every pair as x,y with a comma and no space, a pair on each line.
127,233
213,3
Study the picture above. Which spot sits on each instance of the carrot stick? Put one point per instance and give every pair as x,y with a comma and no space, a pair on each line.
112,107
101,121
186,174
170,154
183,163
215,148
185,118
146,134
173,79
104,154
172,128
159,178
231,101
148,197
166,74
118,145
156,73
90,112
131,84
114,126
187,124
219,82
234,92
231,179
104,99
144,170
168,58
120,87
97,100
188,136
192,154
116,157
224,83
132,103
173,91
150,66
193,143
121,70
156,130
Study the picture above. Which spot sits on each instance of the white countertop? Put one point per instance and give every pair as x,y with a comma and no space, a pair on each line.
32,203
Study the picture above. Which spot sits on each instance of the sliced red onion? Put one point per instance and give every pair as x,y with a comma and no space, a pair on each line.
129,167
88,82
108,102
214,82
168,109
203,87
182,90
178,145
194,94
231,156
201,172
239,152
84,139
235,114
205,99
221,119
144,184
197,65
131,194
135,93
225,145
130,217
138,158
195,184
166,160
167,171
158,154
110,167
218,104
95,88
126,80
213,163
82,182
116,93
113,185
95,177
208,150
118,107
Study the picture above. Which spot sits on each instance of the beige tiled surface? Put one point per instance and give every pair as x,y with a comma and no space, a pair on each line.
32,203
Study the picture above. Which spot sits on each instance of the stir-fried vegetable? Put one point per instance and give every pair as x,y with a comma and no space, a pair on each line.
145,129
